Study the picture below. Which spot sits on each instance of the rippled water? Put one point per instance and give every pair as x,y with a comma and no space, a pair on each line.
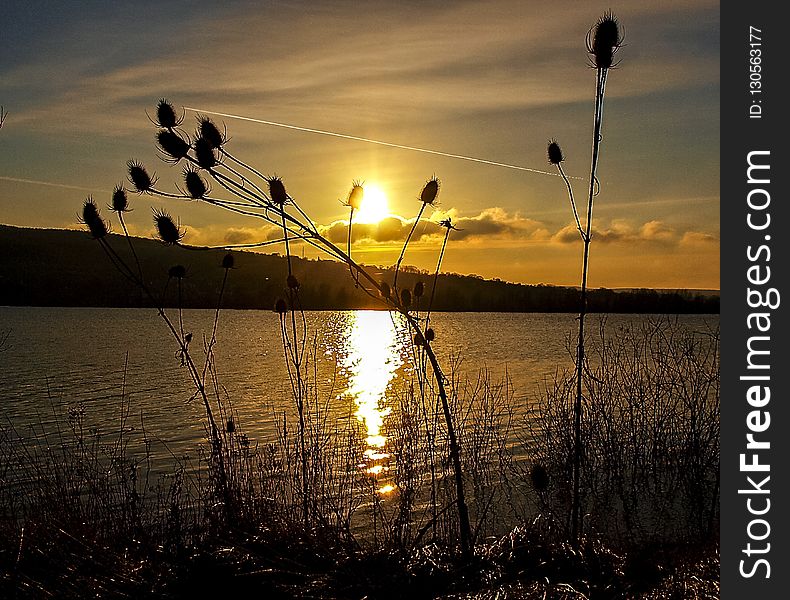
56,359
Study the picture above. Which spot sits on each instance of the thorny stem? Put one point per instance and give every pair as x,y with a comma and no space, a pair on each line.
348,244
422,369
297,360
319,241
577,411
253,170
131,246
180,311
573,202
405,245
216,440
213,339
436,277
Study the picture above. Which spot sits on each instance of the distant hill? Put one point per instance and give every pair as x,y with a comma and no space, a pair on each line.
53,267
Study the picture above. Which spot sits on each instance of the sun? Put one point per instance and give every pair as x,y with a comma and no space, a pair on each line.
374,205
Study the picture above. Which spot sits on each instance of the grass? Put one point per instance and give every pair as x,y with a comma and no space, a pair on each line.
650,472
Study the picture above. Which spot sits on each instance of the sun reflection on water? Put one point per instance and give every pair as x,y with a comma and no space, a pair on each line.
371,364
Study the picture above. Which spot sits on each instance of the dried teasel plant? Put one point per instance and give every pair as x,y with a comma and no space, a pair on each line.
138,176
93,220
603,40
428,196
252,194
169,232
166,116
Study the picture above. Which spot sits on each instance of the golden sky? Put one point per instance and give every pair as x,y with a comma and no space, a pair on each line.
492,80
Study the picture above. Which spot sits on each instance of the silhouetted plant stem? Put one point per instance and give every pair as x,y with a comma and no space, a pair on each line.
434,508
131,246
296,357
455,455
465,529
573,202
449,227
213,339
189,363
577,411
405,245
180,311
348,242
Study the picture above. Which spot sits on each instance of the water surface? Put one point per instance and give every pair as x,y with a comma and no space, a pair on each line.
57,359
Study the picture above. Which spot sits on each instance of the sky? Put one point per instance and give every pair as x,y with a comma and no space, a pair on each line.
492,80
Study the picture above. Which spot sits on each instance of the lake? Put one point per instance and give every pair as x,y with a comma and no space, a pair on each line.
60,359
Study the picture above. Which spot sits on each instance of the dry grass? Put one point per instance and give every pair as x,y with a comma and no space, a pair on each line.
650,432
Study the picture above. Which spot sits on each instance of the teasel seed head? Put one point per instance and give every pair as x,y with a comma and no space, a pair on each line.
166,115
448,225
419,289
355,195
405,298
209,132
92,219
280,306
196,186
120,201
292,282
230,426
554,152
177,272
429,191
539,476
204,153
172,145
167,229
430,335
227,261
139,177
603,41
386,292
277,190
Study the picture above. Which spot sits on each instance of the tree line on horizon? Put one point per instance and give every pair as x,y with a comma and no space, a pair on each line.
61,268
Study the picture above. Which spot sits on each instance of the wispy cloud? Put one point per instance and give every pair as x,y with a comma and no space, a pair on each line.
395,63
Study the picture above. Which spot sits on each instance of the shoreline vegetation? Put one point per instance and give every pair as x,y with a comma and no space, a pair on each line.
85,514
46,267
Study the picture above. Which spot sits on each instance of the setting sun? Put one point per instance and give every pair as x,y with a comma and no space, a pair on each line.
374,205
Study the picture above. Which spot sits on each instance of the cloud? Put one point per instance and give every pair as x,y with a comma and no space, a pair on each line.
614,233
651,232
656,231
491,223
494,222
217,235
391,229
697,238
497,223
389,63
